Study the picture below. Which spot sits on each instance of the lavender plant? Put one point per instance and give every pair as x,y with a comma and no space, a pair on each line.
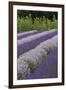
34,57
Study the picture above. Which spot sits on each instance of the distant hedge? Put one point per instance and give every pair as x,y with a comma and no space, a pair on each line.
26,21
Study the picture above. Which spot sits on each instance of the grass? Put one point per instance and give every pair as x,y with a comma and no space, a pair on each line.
38,23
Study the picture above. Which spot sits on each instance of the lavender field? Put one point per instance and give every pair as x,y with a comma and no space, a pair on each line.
37,54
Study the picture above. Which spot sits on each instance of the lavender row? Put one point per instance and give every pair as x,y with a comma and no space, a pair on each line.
25,46
48,68
26,34
23,34
34,57
33,37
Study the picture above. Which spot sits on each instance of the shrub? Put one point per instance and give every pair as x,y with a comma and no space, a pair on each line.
34,57
42,23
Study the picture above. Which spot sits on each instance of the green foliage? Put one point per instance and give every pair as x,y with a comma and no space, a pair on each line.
38,23
31,65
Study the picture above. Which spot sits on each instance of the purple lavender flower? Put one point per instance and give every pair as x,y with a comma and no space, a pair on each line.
34,57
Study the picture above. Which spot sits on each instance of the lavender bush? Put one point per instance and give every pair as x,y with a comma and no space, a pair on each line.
33,57
33,37
23,68
25,33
